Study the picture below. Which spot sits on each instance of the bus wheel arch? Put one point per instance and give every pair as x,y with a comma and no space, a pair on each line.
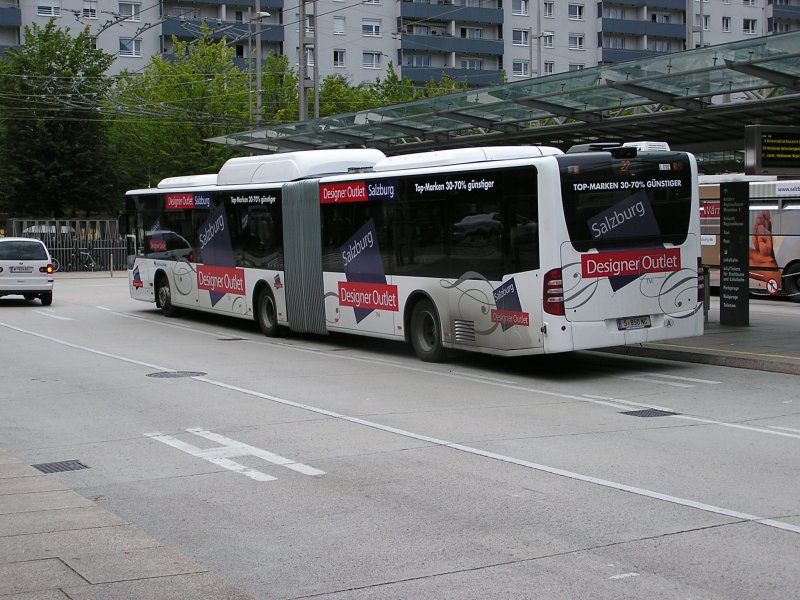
791,280
164,294
423,327
265,310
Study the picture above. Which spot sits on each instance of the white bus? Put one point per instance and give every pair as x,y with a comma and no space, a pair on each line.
502,250
774,232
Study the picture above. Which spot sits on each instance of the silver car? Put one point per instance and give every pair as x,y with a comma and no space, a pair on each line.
26,269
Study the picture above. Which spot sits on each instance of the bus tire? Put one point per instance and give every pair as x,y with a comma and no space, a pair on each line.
164,297
267,313
426,332
791,282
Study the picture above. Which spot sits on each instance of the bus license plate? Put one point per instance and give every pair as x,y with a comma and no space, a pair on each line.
633,323
22,269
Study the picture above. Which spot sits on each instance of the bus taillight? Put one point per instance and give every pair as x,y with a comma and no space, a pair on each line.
553,297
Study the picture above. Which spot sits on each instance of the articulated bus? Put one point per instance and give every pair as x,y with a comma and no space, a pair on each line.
774,232
502,250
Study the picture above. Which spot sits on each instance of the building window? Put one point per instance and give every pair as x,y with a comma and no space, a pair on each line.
659,46
130,47
706,22
749,26
749,2
547,41
338,58
547,10
472,63
418,60
371,28
520,68
420,30
472,33
309,23
49,8
239,51
576,12
238,16
309,57
726,24
372,1
660,18
782,28
130,11
576,41
519,37
576,67
90,9
617,43
371,60
338,25
549,67
613,12
519,7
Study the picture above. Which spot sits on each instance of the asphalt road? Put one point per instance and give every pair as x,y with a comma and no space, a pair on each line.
341,467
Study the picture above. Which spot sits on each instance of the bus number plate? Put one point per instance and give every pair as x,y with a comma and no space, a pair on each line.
633,323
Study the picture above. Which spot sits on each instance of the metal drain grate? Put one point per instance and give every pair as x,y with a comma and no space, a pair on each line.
60,467
176,374
648,412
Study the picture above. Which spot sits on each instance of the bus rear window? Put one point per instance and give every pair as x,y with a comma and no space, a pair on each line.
609,202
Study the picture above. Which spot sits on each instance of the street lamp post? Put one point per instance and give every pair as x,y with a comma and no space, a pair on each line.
259,96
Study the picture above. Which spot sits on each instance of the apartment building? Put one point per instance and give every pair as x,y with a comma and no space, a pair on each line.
477,41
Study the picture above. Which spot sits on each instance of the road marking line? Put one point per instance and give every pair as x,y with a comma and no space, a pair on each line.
467,449
624,575
52,315
692,379
784,428
721,350
221,455
651,380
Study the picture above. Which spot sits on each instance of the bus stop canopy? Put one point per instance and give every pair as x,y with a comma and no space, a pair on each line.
697,100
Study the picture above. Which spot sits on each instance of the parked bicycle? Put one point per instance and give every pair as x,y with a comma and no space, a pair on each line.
81,259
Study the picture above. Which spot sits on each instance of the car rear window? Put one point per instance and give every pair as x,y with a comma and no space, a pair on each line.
22,251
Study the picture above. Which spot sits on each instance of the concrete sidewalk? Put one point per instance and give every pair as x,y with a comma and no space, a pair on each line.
56,544
770,343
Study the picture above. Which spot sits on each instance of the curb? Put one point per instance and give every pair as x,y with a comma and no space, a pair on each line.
736,362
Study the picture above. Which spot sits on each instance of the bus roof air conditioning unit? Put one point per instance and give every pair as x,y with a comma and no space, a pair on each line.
648,146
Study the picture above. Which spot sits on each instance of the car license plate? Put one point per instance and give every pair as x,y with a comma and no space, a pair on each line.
633,323
22,269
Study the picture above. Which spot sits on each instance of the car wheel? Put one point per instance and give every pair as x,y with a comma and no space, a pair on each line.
267,313
164,297
426,332
29,296
46,298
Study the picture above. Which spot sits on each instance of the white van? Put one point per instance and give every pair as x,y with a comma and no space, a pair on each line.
26,269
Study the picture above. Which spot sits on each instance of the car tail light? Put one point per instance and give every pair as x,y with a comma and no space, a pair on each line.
48,269
553,298
1,269
701,282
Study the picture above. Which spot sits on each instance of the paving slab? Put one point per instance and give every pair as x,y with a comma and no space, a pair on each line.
41,501
17,469
127,565
36,575
65,519
202,586
27,485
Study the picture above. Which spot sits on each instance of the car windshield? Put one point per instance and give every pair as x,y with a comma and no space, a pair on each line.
22,251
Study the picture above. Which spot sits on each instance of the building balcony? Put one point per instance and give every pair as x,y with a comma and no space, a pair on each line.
266,5
618,55
10,16
786,13
448,43
639,28
652,4
472,77
231,30
450,12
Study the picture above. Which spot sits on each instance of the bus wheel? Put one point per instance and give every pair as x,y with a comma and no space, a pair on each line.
267,313
426,332
164,297
791,282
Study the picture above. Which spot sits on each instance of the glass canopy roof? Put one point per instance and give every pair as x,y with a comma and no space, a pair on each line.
694,99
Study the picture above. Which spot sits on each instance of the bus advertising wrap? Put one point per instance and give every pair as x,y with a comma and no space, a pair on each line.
509,310
366,288
218,273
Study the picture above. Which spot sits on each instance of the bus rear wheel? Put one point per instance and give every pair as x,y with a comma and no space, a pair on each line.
791,282
164,297
426,332
267,313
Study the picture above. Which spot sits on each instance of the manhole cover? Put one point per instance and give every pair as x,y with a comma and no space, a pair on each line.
648,412
176,374
60,467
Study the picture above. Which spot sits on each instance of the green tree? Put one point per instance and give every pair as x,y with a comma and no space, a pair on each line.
53,145
280,94
165,114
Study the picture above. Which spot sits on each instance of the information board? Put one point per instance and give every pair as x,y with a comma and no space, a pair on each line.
734,285
772,150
